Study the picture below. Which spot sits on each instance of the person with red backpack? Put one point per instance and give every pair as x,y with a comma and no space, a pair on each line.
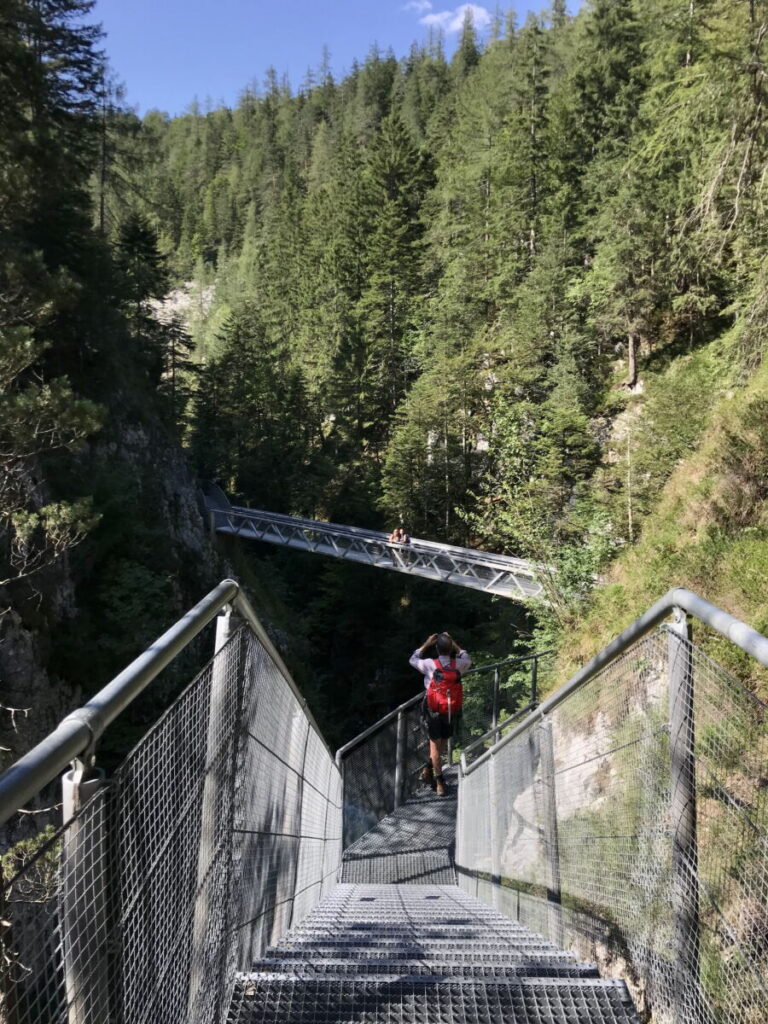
441,707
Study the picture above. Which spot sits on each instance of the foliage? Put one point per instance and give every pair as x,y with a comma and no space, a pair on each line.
499,299
38,858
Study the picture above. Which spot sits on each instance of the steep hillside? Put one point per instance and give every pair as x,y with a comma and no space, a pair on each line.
501,299
707,529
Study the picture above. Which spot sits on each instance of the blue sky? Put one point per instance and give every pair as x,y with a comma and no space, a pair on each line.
169,52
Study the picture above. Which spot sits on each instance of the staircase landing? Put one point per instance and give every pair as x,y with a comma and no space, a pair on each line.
415,844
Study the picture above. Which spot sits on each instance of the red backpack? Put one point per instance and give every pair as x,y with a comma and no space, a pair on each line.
445,693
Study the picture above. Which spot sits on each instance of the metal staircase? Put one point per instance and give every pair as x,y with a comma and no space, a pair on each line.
420,954
233,871
463,567
413,953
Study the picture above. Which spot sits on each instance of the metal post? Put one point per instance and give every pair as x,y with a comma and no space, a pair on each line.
400,758
495,718
84,898
212,791
341,764
493,811
685,861
550,832
534,681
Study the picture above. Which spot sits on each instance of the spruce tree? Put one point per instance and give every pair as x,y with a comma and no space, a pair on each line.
393,185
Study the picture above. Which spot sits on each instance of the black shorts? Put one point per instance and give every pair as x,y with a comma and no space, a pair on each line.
437,726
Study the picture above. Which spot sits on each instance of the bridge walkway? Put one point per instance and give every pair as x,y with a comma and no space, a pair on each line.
398,942
502,575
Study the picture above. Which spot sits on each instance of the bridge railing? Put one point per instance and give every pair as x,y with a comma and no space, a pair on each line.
480,570
381,766
627,819
221,827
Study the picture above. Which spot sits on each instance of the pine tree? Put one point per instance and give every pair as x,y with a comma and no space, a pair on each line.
49,71
144,280
394,183
178,372
467,55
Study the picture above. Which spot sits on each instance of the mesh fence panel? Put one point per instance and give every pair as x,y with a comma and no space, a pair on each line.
220,829
371,774
584,828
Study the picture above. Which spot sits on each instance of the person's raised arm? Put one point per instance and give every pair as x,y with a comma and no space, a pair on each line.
427,644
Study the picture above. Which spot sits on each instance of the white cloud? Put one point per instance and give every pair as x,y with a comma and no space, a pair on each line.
452,21
418,5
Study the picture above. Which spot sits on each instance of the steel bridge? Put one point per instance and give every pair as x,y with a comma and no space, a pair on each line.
234,871
502,575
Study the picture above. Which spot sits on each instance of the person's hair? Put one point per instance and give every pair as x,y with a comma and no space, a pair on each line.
444,644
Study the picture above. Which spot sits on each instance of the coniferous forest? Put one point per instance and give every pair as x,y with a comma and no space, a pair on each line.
514,299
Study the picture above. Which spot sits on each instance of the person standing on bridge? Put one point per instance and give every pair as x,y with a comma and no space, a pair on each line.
444,671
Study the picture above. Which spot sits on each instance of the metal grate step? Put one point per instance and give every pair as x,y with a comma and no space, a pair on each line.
469,967
400,868
437,925
421,954
430,1001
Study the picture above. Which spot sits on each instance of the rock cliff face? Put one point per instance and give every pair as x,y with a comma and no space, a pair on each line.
149,558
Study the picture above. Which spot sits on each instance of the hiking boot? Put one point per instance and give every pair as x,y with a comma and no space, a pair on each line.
427,776
440,785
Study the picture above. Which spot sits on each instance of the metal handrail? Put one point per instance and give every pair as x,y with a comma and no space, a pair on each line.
509,661
496,729
722,622
77,734
356,740
343,751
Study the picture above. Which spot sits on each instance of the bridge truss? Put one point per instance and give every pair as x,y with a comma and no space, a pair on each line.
464,567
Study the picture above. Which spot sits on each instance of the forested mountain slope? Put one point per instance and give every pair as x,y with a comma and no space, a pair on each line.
514,299
505,299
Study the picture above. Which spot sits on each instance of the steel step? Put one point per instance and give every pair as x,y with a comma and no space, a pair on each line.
469,967
421,954
427,1000
436,929
456,942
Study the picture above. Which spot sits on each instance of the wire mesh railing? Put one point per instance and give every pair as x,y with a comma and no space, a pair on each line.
626,818
512,683
381,766
629,822
221,828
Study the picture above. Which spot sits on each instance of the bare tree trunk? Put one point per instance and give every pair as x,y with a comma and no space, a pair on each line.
630,523
632,360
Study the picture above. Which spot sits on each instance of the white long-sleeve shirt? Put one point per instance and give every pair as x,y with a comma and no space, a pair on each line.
427,665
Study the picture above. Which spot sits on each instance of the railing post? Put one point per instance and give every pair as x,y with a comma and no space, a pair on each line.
495,718
341,764
400,758
84,900
212,787
549,823
493,808
685,860
534,681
